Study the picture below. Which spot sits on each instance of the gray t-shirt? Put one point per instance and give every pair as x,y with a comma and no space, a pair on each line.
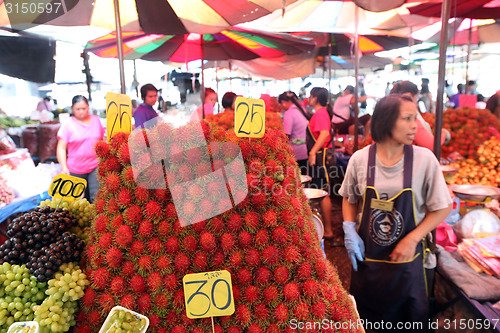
428,184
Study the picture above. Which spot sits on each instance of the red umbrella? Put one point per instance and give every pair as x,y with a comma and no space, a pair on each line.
234,43
478,9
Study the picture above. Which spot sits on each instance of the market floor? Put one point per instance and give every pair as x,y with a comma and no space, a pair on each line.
335,253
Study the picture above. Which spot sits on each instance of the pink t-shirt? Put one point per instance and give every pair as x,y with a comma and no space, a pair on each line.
81,140
342,108
320,121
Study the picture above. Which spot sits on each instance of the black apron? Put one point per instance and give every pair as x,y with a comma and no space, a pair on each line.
385,290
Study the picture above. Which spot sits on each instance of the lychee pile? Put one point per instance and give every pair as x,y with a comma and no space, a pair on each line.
139,250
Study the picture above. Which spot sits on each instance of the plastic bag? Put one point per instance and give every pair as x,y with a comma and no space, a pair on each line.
477,223
47,140
30,139
7,145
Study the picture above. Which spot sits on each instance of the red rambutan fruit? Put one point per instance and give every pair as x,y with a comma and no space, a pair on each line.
252,220
291,255
82,328
200,262
154,282
172,245
252,258
106,302
184,173
203,169
245,239
97,260
288,217
268,183
256,167
322,268
118,140
153,211
216,225
311,289
102,150
124,198
170,282
181,262
145,230
280,197
94,318
163,229
280,235
113,183
128,268
261,238
188,208
136,249
281,274
233,329
194,192
300,222
117,286
89,297
270,255
270,294
304,271
90,252
124,155
189,244
100,204
260,151
253,182
145,264
244,276
154,320
178,300
218,259
236,259
100,224
161,195
141,195
261,312
112,207
254,328
116,222
105,241
163,263
234,222
207,242
127,176
243,315
110,165
236,293
137,285
170,212
294,236
227,242
251,294
161,302
133,214
318,309
269,218
263,275
154,246
291,292
281,313
124,236
144,304
301,311
114,257
271,168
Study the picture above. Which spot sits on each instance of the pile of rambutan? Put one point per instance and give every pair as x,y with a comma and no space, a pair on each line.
226,120
138,252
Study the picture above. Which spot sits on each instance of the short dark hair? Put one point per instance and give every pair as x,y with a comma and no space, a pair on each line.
385,115
78,99
145,88
228,99
321,94
404,87
350,89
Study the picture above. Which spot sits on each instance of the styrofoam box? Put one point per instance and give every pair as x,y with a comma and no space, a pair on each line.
35,328
118,308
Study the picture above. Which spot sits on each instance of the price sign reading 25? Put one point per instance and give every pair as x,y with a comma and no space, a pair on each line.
66,187
208,294
249,117
118,114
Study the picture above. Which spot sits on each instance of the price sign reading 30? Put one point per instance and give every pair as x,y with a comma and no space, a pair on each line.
118,114
208,294
249,117
66,187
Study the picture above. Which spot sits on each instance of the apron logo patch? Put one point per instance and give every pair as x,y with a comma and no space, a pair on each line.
385,227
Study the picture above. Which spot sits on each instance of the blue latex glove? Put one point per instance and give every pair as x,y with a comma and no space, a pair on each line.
353,244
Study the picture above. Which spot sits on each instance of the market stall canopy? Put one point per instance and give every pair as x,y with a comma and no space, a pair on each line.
478,9
27,58
150,16
234,43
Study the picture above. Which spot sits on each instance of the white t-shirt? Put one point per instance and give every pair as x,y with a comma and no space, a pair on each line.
428,184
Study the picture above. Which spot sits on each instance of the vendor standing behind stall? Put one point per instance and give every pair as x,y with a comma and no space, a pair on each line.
75,148
404,197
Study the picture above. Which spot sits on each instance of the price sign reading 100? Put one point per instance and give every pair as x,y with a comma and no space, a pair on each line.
67,187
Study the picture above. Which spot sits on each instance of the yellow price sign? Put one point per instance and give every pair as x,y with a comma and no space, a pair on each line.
118,114
249,117
67,187
208,294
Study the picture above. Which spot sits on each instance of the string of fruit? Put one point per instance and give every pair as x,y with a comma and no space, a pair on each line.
82,211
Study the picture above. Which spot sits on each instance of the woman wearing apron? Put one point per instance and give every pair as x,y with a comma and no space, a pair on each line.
404,197
317,140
